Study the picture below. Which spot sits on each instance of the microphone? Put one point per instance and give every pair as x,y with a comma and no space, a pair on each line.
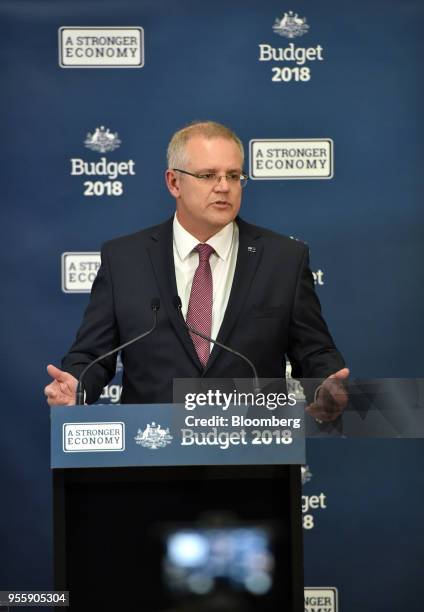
154,305
178,305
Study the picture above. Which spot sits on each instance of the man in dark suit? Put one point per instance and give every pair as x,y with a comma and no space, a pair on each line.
249,287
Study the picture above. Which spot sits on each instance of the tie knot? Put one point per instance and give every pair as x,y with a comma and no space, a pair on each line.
205,251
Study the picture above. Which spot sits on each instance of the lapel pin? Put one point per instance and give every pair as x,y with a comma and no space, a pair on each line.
251,249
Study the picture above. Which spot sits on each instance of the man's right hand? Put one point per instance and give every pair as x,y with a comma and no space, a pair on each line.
60,392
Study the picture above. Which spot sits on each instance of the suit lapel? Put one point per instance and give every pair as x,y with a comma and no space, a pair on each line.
162,259
248,258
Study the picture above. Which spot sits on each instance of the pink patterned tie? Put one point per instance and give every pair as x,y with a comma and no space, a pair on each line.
199,313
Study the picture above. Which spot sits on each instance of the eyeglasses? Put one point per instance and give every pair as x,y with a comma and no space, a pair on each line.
233,178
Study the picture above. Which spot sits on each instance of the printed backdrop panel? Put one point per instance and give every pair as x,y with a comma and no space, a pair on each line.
327,99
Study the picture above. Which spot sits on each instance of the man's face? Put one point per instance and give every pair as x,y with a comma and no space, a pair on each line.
203,208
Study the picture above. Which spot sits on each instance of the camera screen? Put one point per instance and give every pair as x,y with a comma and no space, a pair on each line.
201,561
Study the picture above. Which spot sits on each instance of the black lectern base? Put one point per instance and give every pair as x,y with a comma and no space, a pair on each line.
180,539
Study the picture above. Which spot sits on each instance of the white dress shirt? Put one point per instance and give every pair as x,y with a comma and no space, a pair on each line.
223,264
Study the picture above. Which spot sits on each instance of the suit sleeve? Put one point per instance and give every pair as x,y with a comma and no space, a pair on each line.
312,351
97,335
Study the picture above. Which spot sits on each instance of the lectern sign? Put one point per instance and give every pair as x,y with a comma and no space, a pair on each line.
93,437
172,434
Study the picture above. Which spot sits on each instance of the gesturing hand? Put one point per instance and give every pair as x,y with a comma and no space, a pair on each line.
60,392
331,399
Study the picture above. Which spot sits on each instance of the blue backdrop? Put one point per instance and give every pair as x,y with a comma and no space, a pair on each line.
364,227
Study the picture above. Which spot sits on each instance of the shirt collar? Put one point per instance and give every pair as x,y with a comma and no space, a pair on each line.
185,242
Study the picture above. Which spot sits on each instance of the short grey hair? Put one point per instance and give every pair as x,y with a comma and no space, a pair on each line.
176,153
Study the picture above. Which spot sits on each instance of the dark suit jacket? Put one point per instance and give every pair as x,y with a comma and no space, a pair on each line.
272,311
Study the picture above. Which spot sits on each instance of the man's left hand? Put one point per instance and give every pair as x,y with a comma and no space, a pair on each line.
331,399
